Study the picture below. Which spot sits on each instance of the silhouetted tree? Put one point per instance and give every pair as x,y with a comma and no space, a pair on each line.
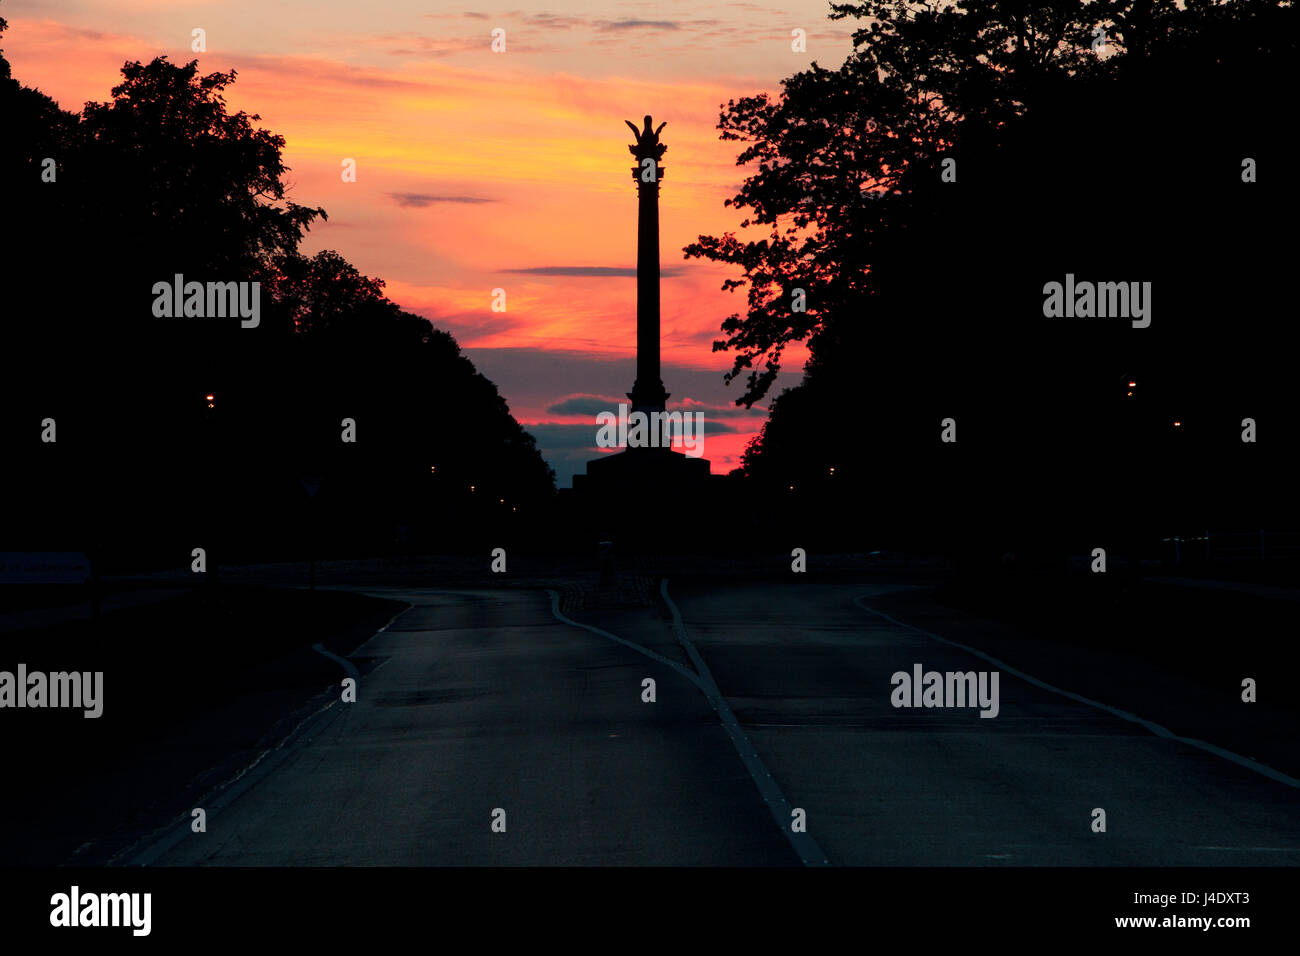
924,296
164,180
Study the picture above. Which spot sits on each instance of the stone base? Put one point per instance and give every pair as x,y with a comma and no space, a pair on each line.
643,499
650,472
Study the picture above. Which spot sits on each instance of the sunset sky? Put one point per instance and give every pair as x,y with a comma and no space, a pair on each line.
478,170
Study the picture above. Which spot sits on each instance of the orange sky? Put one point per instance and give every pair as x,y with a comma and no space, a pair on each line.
476,169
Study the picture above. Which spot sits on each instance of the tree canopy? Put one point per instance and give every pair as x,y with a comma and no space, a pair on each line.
1111,159
842,158
164,179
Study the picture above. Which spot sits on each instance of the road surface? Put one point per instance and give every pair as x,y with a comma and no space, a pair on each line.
476,701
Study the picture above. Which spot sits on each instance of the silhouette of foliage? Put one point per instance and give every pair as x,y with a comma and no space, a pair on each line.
924,297
163,180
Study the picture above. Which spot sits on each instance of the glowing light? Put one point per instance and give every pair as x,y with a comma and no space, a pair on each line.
1132,384
1177,424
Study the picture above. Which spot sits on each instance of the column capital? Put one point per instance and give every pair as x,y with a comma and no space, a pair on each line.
647,144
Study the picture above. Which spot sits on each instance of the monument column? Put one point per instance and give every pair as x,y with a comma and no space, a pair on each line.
648,394
653,469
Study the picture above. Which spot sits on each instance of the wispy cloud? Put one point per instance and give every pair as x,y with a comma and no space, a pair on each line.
584,405
642,24
556,21
551,20
722,411
559,436
425,199
595,272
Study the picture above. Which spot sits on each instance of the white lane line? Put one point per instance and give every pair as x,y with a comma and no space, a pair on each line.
1153,727
348,667
804,845
809,852
555,609
149,848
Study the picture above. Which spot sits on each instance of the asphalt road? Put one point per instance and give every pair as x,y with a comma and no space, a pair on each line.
808,673
479,700
473,702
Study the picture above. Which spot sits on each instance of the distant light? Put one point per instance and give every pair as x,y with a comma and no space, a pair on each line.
1130,394
433,469
1132,384
208,397
1177,424
514,509
832,469
471,487
501,501
792,487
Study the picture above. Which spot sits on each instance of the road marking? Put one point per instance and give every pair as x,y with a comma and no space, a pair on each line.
1153,727
555,609
348,667
149,848
804,845
809,852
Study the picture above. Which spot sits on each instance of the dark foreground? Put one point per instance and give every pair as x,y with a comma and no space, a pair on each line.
490,728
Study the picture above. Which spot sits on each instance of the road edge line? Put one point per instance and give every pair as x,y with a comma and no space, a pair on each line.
1156,729
147,849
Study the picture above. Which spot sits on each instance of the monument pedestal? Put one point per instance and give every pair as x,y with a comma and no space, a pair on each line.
655,473
645,498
